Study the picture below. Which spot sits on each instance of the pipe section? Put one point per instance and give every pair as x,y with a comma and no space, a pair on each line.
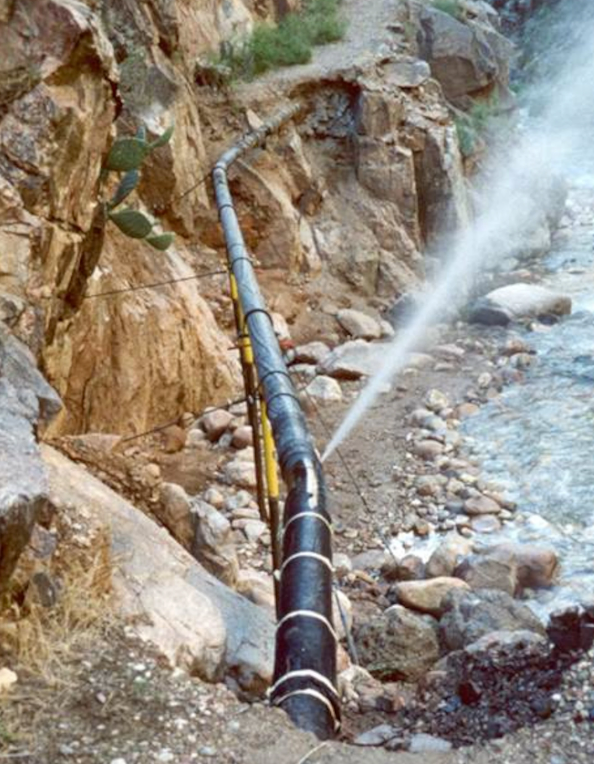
305,655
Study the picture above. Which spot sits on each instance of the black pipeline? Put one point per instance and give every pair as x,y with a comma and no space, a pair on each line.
305,656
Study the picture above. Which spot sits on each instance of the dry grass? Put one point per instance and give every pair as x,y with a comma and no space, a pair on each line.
45,645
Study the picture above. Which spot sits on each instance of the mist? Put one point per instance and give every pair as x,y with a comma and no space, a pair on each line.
512,191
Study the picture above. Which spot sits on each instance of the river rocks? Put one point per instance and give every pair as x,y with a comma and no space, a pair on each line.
409,568
519,301
470,615
428,596
324,389
358,324
510,568
481,505
25,399
166,595
428,449
484,572
444,560
436,401
398,644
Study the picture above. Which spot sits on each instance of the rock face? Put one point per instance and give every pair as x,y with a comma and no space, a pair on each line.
25,400
470,615
518,301
398,644
467,55
170,599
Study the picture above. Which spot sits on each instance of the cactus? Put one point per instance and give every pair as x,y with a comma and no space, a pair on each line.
160,241
126,155
134,224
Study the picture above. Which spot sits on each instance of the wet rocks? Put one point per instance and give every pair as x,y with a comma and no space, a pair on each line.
572,628
428,596
510,568
481,505
445,559
519,301
398,644
470,615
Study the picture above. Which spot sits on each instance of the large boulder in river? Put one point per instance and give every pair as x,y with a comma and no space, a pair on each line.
25,399
398,644
470,615
518,301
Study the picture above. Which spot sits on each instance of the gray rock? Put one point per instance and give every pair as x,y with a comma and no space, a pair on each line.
324,389
376,736
407,72
312,353
353,360
422,743
25,399
485,572
358,324
448,555
398,644
212,544
214,423
470,615
518,301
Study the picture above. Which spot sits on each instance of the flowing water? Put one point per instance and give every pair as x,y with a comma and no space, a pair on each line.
537,439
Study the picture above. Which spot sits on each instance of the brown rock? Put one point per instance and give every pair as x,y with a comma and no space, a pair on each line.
243,437
214,423
448,555
428,596
428,449
481,505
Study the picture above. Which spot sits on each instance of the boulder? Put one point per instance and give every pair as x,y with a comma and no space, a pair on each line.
169,599
353,360
464,57
445,559
241,473
428,596
324,390
519,301
214,423
175,512
312,353
212,544
486,572
398,644
243,437
359,325
469,616
25,399
407,72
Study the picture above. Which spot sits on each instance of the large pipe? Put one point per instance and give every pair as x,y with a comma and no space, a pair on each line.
305,654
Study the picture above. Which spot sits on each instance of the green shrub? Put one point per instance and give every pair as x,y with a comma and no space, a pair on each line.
288,43
451,7
475,123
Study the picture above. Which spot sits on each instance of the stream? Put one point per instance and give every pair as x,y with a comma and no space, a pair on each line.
537,439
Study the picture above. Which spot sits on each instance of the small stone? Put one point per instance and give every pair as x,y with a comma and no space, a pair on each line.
466,410
324,389
214,423
312,353
241,473
242,437
207,750
376,736
481,505
358,324
214,497
422,743
485,524
342,565
195,438
428,449
8,678
436,401
254,529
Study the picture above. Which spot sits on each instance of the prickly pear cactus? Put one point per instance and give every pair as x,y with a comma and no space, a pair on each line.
126,155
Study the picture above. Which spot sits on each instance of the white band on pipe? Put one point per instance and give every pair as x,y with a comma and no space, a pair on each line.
312,555
305,673
307,614
309,514
313,694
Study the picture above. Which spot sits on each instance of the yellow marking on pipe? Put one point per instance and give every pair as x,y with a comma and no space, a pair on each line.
269,456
